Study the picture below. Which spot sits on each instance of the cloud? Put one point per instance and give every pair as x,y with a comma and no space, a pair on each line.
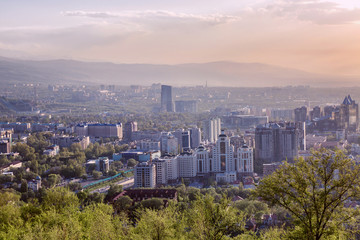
315,11
155,15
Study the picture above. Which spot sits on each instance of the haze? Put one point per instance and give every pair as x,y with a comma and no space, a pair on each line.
311,35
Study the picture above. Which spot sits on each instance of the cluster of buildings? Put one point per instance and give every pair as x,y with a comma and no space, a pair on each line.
220,160
343,117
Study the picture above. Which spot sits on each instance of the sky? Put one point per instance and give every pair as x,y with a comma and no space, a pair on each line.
312,35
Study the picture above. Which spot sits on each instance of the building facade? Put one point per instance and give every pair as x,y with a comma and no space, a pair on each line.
145,175
167,103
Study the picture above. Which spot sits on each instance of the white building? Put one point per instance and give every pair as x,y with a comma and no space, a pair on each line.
203,161
245,160
52,151
35,184
226,177
102,165
172,168
187,165
161,171
211,129
145,175
169,143
223,155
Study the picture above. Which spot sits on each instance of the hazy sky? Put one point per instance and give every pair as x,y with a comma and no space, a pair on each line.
313,35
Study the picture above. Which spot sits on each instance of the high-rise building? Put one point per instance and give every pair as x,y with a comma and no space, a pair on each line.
169,143
145,175
350,114
5,146
161,171
300,114
275,142
212,129
203,160
328,110
167,103
185,140
129,128
195,137
223,155
187,164
245,160
6,135
315,113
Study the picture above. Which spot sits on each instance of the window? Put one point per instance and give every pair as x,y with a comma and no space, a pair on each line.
223,163
222,148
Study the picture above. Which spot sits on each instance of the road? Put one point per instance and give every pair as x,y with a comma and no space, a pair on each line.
126,183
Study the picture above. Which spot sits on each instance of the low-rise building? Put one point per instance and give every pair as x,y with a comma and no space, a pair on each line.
101,165
13,165
52,151
35,184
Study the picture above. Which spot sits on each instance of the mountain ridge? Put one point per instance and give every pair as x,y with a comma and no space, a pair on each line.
217,73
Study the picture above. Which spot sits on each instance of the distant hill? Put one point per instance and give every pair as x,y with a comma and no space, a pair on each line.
214,73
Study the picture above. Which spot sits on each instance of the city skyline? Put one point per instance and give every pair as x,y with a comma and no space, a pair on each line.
315,36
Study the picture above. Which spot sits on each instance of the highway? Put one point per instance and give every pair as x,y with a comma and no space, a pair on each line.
126,183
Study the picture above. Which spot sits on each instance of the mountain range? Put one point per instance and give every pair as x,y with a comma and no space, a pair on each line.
214,74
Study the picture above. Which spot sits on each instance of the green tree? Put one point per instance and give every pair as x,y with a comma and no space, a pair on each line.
96,174
60,200
113,191
123,203
4,160
153,203
315,191
252,208
165,224
213,221
131,162
53,179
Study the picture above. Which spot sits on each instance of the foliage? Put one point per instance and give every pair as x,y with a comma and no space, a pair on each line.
209,220
252,209
315,192
96,174
131,162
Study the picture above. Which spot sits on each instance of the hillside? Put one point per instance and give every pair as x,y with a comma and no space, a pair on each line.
215,74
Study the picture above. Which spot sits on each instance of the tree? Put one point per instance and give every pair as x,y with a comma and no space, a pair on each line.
123,203
165,224
252,208
315,191
4,160
96,174
213,221
113,191
131,162
60,199
153,203
53,179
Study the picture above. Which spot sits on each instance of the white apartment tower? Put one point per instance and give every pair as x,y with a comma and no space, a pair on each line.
245,160
161,171
211,129
223,155
145,175
202,160
187,164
